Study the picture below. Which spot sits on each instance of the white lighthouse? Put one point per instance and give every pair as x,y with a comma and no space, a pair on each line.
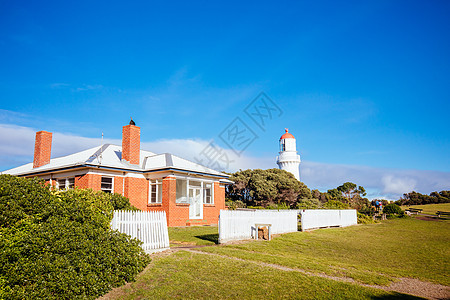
288,159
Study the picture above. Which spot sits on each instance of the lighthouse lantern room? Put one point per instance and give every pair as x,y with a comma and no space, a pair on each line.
288,159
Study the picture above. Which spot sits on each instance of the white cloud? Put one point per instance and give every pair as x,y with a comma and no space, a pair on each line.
17,147
396,185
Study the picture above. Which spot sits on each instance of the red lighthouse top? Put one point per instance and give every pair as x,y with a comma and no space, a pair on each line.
287,135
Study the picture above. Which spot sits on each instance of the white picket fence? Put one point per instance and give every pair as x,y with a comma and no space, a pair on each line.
150,227
241,224
320,218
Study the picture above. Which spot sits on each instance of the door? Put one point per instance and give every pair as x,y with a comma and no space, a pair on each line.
196,205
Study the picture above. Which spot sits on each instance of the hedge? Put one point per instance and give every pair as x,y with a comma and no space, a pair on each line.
58,245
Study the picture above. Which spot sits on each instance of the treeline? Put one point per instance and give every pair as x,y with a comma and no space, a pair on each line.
415,198
274,188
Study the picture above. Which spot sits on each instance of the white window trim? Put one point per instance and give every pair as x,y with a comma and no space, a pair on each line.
158,184
66,183
212,193
202,189
112,184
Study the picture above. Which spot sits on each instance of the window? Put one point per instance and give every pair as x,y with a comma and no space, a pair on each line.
207,194
65,183
182,191
70,183
155,195
107,184
61,184
282,146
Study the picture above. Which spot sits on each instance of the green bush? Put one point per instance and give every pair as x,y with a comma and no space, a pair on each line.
393,209
120,202
58,245
308,203
364,219
20,199
334,204
232,205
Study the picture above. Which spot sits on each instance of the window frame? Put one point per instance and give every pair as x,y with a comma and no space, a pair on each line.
184,189
211,191
107,190
157,184
68,183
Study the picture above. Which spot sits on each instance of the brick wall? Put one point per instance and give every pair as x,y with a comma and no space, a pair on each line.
131,144
178,213
89,181
42,148
211,211
118,185
136,189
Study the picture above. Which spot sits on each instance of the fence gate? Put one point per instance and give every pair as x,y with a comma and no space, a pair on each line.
150,227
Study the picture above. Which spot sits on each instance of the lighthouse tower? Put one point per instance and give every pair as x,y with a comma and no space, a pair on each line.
288,159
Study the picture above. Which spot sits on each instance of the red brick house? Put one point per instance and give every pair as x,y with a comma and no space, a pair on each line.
189,193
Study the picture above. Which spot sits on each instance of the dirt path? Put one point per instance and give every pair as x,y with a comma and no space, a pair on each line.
410,286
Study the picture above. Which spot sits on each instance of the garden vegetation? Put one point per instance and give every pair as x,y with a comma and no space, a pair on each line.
58,245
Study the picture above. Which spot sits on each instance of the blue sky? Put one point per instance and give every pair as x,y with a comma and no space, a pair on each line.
362,85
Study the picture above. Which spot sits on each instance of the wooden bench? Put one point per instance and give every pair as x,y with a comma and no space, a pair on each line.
443,213
414,210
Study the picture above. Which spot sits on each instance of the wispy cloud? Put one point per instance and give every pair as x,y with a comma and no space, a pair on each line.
18,144
88,87
74,88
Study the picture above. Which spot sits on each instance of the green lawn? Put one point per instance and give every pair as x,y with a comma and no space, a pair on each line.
371,254
430,208
185,275
198,235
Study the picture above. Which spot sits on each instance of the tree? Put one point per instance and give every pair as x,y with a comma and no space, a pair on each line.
334,194
265,187
322,197
415,198
350,190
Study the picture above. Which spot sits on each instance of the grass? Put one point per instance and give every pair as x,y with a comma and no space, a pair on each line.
370,254
430,208
185,275
198,235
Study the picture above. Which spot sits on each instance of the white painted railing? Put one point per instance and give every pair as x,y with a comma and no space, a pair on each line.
240,224
150,227
320,218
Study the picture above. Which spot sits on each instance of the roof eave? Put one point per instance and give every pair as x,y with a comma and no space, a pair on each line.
94,166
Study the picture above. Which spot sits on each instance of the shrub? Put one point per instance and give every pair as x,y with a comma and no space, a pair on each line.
367,210
61,247
310,203
393,209
20,199
364,219
120,202
232,205
334,204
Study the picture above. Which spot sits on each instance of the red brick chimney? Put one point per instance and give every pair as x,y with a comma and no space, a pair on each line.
131,143
42,148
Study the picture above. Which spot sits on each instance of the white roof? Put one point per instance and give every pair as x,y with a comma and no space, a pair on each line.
110,156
